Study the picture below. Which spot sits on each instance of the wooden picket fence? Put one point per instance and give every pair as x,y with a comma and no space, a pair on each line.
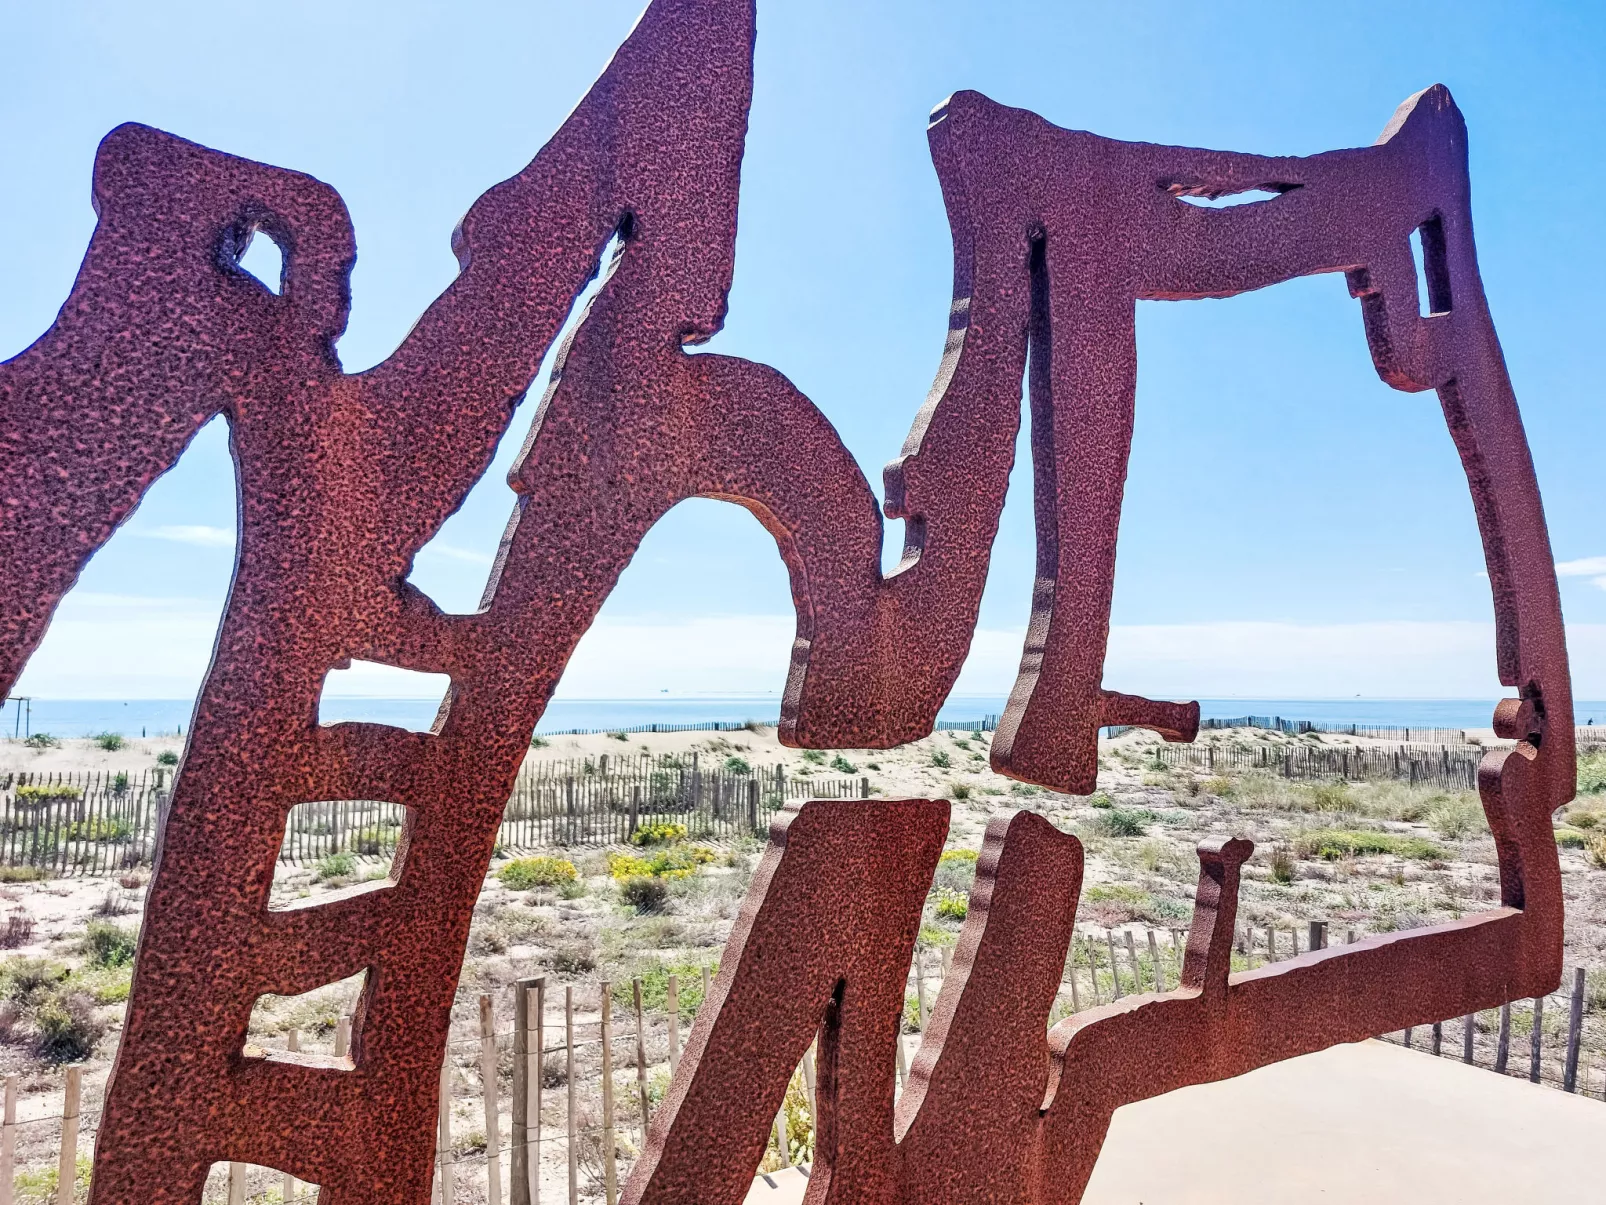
1444,766
583,1087
98,824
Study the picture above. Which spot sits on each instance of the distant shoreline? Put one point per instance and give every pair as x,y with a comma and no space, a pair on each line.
136,717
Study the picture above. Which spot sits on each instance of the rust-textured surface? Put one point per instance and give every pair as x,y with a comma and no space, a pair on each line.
344,477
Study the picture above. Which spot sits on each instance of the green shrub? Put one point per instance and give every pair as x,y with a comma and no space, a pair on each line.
108,945
619,736
940,759
109,985
1595,848
737,765
1283,864
952,905
644,892
167,758
959,790
67,1027
1456,817
570,960
1332,797
655,986
110,741
38,1184
1100,799
1024,789
814,757
1571,838
1592,772
911,1014
671,862
41,740
46,792
525,874
1580,819
843,766
24,980
374,841
100,828
956,870
336,866
662,832
1119,893
1333,844
538,742
1121,822
23,874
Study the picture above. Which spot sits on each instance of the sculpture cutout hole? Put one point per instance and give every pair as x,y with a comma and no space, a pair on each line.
375,693
313,1029
454,567
263,259
339,843
1432,267
248,1182
1203,197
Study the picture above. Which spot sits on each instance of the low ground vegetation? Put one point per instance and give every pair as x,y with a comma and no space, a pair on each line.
1366,857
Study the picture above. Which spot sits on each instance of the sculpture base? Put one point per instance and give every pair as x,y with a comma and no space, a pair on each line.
1369,1122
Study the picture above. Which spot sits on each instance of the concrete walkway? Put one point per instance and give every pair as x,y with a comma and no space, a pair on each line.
1369,1124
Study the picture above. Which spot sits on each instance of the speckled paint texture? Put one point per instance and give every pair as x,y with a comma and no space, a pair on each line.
344,477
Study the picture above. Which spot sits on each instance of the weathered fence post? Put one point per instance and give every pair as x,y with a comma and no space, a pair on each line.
1575,1027
808,1086
443,1137
1115,975
752,805
8,1142
1469,1029
292,1043
864,787
672,1004
635,810
610,1167
920,988
1438,1038
568,1068
67,1168
1536,1039
493,1112
783,1142
1502,1048
1137,967
1092,965
1154,963
1318,935
641,1060
522,1188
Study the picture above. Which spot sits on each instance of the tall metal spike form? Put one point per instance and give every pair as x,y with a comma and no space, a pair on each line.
344,477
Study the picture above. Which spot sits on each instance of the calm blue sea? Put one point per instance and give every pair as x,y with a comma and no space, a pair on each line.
136,717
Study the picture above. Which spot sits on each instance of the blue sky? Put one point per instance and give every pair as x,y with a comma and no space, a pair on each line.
1293,528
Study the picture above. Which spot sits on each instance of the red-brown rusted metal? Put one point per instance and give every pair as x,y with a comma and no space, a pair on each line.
343,478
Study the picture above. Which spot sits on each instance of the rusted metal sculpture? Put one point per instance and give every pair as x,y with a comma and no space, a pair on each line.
343,478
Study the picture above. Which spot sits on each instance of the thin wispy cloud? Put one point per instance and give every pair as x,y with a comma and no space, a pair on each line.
1592,567
451,552
190,533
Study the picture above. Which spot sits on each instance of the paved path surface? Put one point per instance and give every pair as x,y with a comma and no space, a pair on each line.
1369,1124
